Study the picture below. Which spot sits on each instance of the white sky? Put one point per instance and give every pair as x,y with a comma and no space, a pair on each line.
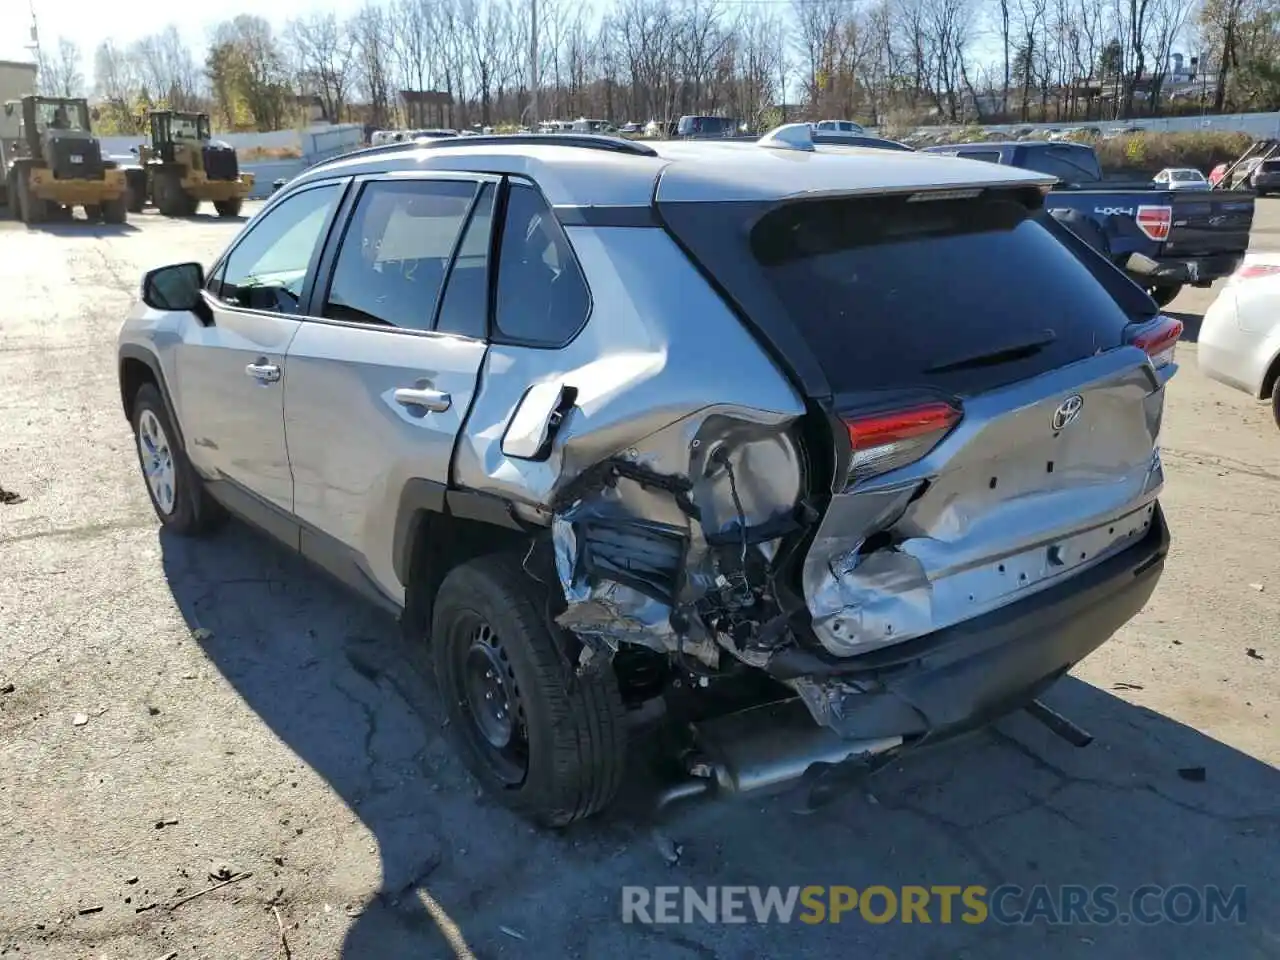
89,22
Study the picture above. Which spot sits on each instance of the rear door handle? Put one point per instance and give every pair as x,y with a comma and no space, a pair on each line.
434,401
263,372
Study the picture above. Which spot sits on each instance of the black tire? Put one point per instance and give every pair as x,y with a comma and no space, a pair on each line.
92,213
115,211
193,512
171,199
228,208
1275,401
1165,295
30,209
574,731
137,195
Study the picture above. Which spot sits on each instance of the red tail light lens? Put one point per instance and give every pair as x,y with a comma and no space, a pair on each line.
885,441
1159,339
1255,271
1154,221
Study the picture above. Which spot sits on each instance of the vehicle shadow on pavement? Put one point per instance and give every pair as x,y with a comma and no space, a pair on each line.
331,678
1191,323
83,228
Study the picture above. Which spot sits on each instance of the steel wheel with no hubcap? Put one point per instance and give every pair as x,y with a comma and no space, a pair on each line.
491,701
157,462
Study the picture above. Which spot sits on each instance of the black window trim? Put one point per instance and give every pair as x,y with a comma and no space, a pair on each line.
304,300
346,214
496,336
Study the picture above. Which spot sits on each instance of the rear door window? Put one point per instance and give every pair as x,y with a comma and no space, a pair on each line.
396,250
1068,164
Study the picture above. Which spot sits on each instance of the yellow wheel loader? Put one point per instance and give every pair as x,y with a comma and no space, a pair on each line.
53,163
184,166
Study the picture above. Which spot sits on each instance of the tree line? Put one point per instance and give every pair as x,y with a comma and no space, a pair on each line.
885,62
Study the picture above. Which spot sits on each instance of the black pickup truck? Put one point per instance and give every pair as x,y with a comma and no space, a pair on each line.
1164,239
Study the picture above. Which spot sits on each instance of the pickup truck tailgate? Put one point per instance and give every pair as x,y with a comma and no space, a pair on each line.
1208,223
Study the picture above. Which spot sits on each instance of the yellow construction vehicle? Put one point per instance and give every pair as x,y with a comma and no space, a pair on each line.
53,162
184,166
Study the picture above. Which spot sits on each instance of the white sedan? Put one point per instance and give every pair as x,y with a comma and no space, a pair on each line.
1239,342
1182,178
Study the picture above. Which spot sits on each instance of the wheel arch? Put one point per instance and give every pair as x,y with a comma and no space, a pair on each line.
1269,378
139,366
438,529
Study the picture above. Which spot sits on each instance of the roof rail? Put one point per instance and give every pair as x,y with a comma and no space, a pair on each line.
587,141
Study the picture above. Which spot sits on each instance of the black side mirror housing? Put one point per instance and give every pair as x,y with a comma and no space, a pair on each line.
134,151
178,286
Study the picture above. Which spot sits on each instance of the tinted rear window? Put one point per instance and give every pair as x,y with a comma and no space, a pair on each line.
962,295
1271,166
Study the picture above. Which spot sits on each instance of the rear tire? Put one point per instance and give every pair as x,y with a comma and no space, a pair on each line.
115,211
1165,295
228,208
176,490
171,199
30,209
92,213
492,644
1275,401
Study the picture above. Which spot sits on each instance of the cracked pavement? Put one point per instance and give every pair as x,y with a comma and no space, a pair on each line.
241,710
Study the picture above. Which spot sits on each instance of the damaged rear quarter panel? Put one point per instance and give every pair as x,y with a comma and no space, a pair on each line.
668,382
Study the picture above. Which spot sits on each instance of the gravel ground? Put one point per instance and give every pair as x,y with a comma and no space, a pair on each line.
175,711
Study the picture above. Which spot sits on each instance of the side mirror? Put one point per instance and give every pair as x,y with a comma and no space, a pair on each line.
176,287
95,114
134,151
8,109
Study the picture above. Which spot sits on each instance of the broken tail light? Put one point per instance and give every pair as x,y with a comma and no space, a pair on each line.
885,441
1154,221
1158,339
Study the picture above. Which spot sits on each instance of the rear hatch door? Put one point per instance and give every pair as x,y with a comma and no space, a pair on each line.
974,301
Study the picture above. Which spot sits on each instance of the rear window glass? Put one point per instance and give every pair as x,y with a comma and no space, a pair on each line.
898,289
1271,166
1069,164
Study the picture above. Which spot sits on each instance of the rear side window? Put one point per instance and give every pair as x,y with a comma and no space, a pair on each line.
1068,164
542,297
1271,166
960,294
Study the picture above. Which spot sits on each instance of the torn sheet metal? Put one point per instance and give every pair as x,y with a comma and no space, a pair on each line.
670,560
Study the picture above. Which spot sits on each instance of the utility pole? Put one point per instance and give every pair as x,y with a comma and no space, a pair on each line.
34,45
533,65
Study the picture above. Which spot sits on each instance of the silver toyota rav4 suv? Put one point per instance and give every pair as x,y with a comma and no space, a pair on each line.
825,451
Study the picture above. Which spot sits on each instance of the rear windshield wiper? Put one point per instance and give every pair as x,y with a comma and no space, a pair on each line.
993,358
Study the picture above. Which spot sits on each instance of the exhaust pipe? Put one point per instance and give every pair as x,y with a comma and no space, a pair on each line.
764,748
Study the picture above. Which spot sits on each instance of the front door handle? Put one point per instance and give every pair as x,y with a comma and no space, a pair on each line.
434,401
263,372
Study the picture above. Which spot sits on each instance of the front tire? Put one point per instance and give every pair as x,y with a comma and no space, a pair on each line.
31,209
545,742
1275,401
228,208
176,490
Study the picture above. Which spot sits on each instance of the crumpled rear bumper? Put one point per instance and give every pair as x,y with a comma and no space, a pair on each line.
970,674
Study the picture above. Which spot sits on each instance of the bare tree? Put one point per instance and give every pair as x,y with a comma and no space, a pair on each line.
322,53
59,70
